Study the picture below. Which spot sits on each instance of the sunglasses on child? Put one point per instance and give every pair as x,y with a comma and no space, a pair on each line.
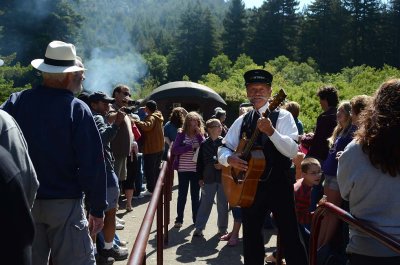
319,173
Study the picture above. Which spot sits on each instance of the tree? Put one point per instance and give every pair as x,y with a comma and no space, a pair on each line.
209,41
392,34
29,27
323,34
276,31
234,35
365,25
158,67
194,44
221,66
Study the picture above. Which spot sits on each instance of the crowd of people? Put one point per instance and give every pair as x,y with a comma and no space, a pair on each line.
67,157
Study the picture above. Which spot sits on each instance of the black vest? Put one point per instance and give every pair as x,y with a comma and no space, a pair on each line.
277,165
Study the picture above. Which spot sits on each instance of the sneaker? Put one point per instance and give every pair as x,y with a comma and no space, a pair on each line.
115,252
147,193
140,196
119,220
178,225
198,232
101,260
119,226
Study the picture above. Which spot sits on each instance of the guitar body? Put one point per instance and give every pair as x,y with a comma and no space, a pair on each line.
240,187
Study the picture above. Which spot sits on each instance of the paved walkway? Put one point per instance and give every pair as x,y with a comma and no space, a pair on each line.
183,248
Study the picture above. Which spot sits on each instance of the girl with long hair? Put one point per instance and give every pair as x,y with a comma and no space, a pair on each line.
185,148
341,136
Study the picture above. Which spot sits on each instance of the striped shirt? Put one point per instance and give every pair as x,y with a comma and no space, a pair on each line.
186,159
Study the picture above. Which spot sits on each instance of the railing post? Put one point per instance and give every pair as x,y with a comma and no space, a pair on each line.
167,197
160,239
315,228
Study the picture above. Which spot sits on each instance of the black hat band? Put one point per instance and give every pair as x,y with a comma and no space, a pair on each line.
59,62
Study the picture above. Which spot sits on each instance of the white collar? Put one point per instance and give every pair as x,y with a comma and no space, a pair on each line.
263,108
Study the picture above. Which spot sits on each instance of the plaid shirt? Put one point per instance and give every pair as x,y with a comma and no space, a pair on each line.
302,194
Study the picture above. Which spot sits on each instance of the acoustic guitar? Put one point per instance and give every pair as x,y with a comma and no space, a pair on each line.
240,187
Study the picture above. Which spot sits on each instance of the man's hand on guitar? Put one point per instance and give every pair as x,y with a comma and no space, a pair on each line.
265,126
236,162
218,166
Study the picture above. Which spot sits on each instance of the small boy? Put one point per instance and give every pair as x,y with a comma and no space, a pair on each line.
210,180
310,176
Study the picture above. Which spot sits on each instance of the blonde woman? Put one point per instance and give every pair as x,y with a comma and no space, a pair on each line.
185,149
342,135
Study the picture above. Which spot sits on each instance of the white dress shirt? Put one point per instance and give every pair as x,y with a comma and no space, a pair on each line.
283,138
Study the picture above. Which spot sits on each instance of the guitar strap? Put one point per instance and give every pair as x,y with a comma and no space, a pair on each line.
250,121
249,124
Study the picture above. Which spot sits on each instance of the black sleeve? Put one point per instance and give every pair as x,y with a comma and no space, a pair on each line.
200,161
14,204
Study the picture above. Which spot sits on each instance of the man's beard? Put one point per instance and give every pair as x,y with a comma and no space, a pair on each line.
78,90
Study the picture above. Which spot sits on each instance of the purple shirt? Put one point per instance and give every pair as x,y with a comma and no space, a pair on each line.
331,163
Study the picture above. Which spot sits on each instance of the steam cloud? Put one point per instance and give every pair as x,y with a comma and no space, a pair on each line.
111,57
106,69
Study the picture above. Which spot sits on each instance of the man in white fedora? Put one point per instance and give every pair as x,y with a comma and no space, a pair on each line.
67,153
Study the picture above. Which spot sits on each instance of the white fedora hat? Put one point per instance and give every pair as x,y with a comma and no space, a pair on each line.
59,58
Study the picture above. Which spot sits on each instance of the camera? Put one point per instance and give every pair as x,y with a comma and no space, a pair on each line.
133,102
128,110
132,107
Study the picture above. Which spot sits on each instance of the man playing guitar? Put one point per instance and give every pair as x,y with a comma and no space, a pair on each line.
275,188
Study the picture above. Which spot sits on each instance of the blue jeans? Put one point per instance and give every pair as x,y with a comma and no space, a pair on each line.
184,178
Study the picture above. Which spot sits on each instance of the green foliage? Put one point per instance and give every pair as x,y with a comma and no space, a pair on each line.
149,84
301,82
13,78
158,66
30,25
351,44
221,66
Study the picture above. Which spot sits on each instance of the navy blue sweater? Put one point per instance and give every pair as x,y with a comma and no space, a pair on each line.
64,145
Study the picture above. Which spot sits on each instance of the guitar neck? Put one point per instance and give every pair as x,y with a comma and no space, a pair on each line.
247,149
277,100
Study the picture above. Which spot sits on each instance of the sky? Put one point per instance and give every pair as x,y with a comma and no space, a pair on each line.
258,3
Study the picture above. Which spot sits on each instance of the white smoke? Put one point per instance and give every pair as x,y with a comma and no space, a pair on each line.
106,69
112,59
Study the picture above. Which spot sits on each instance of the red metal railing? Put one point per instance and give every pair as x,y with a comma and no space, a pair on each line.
327,207
161,205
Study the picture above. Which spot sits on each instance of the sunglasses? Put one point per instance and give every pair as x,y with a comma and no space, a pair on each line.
215,126
316,173
126,94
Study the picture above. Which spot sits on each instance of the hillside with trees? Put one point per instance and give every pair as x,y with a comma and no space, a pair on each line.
352,44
